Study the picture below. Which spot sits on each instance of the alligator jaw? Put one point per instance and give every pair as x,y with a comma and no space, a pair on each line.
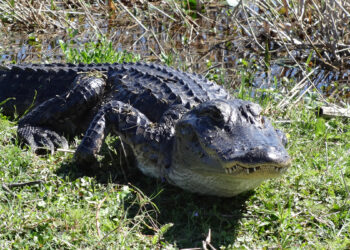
270,170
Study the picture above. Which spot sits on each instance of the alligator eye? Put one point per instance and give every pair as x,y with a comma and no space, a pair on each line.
227,128
186,130
214,114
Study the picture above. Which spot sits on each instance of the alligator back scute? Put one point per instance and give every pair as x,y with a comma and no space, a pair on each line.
35,83
32,84
153,88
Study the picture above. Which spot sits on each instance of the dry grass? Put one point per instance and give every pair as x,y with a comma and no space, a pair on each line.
312,35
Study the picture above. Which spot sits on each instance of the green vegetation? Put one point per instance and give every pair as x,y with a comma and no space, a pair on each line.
101,51
62,212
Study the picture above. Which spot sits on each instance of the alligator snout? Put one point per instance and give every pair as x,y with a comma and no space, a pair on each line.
257,156
268,161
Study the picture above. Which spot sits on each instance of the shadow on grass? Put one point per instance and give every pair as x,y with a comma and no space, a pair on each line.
192,215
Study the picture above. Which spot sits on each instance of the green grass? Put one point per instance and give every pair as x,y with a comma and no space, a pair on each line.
62,212
308,207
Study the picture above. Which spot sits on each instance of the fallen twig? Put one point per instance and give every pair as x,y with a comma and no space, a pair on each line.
207,243
7,186
330,112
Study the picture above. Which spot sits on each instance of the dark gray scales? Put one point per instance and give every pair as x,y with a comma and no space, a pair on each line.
178,125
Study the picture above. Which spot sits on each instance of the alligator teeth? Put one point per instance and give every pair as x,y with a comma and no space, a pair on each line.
279,170
250,170
247,170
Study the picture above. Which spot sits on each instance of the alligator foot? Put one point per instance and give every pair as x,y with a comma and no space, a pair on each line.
41,139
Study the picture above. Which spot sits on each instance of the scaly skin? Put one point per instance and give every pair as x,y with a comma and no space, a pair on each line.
179,126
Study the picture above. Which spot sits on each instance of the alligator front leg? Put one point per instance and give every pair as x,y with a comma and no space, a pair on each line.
122,119
45,125
133,127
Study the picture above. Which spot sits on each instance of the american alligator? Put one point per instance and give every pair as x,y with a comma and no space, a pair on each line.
179,126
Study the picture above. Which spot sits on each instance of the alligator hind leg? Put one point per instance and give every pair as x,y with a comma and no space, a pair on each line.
45,125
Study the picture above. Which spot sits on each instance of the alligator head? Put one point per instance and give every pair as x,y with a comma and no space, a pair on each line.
225,147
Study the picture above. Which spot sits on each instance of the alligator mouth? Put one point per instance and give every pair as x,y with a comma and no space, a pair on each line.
239,169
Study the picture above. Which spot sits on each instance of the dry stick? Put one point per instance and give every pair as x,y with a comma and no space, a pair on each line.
98,217
65,150
311,82
300,96
250,27
211,49
301,10
207,240
300,67
204,72
344,49
23,12
317,8
317,52
40,13
60,18
34,15
330,112
90,17
15,12
162,12
138,39
64,12
277,29
155,37
295,90
5,187
343,9
126,9
283,103
22,184
156,55
186,20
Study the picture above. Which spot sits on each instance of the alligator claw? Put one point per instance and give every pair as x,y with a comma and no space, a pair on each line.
85,159
41,138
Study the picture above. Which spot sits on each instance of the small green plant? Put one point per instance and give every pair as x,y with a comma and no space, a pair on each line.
191,7
101,51
247,70
215,74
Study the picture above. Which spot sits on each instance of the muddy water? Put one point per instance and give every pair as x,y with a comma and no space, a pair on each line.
202,44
